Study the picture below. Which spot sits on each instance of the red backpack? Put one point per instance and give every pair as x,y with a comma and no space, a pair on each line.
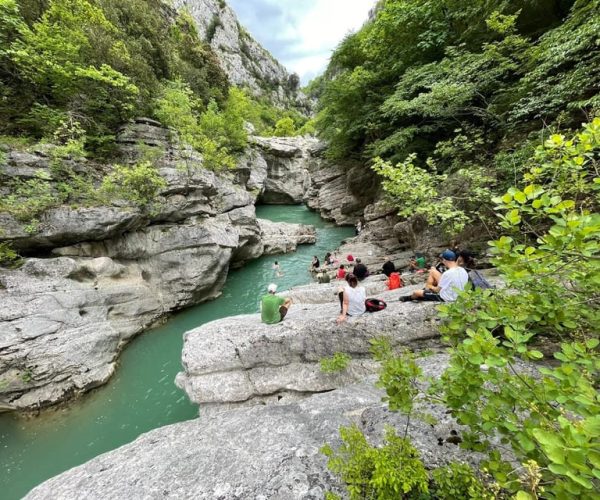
394,281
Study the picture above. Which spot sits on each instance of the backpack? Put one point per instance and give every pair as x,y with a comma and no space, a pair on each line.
394,281
478,281
374,305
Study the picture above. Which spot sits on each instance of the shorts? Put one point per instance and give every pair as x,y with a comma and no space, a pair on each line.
282,312
431,296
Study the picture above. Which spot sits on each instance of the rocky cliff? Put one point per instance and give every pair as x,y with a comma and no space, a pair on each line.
244,60
97,276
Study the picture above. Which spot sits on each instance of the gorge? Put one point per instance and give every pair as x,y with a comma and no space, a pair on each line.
155,162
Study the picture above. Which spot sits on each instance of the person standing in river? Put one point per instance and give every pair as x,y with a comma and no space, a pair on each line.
272,307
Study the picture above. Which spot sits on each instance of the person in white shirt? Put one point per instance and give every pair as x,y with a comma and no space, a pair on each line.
353,303
447,287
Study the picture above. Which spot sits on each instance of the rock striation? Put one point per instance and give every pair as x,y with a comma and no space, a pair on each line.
254,452
266,412
283,237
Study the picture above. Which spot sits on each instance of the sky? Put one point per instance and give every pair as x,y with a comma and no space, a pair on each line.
301,34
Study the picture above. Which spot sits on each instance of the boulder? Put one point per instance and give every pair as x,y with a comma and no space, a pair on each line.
254,452
64,320
240,359
283,237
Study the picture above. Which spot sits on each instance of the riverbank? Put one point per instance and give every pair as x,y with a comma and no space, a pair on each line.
141,396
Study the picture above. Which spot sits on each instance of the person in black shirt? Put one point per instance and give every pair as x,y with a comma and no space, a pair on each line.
360,270
389,267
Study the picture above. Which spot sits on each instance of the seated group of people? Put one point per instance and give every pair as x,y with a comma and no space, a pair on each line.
444,283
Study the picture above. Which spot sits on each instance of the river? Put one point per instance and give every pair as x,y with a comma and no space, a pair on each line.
142,395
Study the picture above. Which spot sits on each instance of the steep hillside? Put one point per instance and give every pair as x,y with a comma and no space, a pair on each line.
243,59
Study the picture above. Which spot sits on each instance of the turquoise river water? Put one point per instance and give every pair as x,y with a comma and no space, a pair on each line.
142,395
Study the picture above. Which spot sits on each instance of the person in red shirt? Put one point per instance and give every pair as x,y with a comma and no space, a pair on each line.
341,274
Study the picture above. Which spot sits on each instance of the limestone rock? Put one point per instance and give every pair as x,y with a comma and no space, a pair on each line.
288,161
244,60
237,359
253,452
64,320
283,237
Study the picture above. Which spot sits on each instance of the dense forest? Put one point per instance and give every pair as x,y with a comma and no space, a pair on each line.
481,119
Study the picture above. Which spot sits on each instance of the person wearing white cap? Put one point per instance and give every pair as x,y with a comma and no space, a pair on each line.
273,308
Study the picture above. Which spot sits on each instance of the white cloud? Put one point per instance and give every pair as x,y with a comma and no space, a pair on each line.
302,34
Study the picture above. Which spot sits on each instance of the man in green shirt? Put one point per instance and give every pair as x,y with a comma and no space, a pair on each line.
273,308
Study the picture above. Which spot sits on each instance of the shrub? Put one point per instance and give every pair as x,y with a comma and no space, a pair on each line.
138,184
8,256
285,127
550,258
337,363
29,199
416,192
393,470
458,482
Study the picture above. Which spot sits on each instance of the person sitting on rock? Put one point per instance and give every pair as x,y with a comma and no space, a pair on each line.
388,267
353,299
315,262
442,287
272,307
341,274
360,270
328,259
417,263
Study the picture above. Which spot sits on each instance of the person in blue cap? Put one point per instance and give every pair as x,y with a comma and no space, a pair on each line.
442,287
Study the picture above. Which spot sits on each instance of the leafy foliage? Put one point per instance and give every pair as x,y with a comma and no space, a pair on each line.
8,256
100,62
285,127
459,83
390,471
551,420
337,363
457,481
139,184
448,202
30,198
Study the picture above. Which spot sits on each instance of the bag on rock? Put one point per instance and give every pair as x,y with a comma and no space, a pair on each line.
478,281
374,305
394,281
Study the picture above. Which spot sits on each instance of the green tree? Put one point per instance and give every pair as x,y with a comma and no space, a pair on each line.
285,127
61,57
550,262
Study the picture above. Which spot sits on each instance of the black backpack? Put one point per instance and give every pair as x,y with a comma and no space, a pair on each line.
478,281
